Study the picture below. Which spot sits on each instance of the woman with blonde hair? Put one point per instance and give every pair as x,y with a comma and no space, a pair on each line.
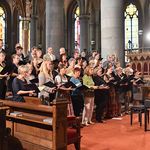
19,84
70,69
36,62
88,96
30,75
46,92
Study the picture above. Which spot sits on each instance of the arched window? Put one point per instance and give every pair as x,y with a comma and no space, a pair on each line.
20,30
77,28
131,27
2,24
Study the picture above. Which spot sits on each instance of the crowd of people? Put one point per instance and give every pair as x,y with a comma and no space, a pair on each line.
88,81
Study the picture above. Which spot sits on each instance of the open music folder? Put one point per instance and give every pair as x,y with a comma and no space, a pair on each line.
30,87
7,69
50,84
35,80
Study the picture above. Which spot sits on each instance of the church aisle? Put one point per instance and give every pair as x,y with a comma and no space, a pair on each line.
115,135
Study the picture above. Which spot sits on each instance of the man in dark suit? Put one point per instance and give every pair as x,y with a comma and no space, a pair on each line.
101,94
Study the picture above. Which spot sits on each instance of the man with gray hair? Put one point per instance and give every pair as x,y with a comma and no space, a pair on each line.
51,54
62,51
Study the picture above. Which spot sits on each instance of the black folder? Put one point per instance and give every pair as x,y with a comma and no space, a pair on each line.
35,80
50,84
140,82
111,83
126,79
6,69
69,84
83,87
30,87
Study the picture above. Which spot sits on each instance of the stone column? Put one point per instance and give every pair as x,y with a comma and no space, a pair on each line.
112,28
84,23
33,24
33,29
55,24
98,28
25,34
92,29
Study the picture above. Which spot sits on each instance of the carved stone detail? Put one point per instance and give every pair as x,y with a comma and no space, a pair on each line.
143,59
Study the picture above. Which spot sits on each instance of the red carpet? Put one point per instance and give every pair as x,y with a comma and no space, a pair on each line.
115,135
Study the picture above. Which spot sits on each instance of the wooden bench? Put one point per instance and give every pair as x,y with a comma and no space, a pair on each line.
3,110
32,100
35,134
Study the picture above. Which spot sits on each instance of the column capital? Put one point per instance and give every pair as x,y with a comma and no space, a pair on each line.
25,23
25,19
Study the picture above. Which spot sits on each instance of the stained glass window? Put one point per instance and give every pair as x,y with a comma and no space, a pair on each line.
20,30
131,27
2,24
77,28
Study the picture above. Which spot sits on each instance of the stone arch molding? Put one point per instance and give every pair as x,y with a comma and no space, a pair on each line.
20,6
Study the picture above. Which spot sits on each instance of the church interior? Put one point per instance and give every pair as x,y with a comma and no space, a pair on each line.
74,74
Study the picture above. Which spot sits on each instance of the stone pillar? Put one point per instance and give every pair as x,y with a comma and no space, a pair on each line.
84,23
92,29
33,29
98,28
25,34
92,36
112,29
55,25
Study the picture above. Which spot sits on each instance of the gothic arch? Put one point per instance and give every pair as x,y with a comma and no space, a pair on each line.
139,67
70,26
20,6
145,68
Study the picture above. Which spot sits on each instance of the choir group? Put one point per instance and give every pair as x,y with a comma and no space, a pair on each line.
88,81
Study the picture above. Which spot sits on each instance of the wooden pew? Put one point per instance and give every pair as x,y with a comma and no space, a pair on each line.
72,121
32,100
36,134
30,129
3,110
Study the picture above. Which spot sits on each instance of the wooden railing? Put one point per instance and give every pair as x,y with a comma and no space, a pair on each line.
140,61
